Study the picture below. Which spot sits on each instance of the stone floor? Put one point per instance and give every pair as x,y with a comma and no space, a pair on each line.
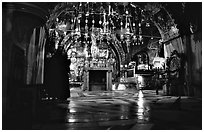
127,109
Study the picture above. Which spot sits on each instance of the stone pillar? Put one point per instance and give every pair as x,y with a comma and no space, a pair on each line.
19,20
109,80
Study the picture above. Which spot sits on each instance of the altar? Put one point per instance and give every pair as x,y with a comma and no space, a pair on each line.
98,79
93,63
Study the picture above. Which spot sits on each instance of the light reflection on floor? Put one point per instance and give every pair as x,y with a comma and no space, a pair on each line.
72,110
71,120
124,107
140,101
105,109
141,110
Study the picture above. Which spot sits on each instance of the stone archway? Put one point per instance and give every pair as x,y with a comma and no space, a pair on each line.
141,58
154,12
165,25
113,42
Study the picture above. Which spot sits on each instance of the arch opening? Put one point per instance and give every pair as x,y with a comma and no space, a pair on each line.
87,30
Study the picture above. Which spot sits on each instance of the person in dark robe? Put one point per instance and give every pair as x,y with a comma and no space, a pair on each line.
65,91
56,76
157,83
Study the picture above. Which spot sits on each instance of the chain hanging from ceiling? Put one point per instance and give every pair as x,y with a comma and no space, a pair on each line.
78,21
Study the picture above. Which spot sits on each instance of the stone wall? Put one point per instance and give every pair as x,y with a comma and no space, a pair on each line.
17,28
193,53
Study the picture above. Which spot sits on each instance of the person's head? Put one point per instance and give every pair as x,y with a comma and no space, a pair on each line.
61,50
58,51
174,53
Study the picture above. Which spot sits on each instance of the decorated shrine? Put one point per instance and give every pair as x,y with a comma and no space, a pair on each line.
116,41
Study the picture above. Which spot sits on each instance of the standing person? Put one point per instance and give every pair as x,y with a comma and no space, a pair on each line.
52,76
174,69
157,82
167,77
56,76
64,72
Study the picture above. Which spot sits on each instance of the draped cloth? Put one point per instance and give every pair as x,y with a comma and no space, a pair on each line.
30,58
40,57
35,57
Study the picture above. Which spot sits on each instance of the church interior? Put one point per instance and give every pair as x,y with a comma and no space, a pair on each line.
101,65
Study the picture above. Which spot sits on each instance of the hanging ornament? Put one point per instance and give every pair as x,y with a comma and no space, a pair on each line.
128,31
147,24
109,12
140,37
121,24
121,37
134,38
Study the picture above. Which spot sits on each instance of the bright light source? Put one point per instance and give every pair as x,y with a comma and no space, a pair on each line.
140,78
71,120
140,94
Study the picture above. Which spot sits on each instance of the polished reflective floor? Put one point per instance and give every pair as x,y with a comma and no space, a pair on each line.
127,109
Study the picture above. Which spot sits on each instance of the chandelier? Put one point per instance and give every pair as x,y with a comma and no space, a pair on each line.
77,22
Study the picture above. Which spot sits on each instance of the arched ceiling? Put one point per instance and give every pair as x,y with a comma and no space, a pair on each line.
144,21
40,10
183,13
137,13
160,17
